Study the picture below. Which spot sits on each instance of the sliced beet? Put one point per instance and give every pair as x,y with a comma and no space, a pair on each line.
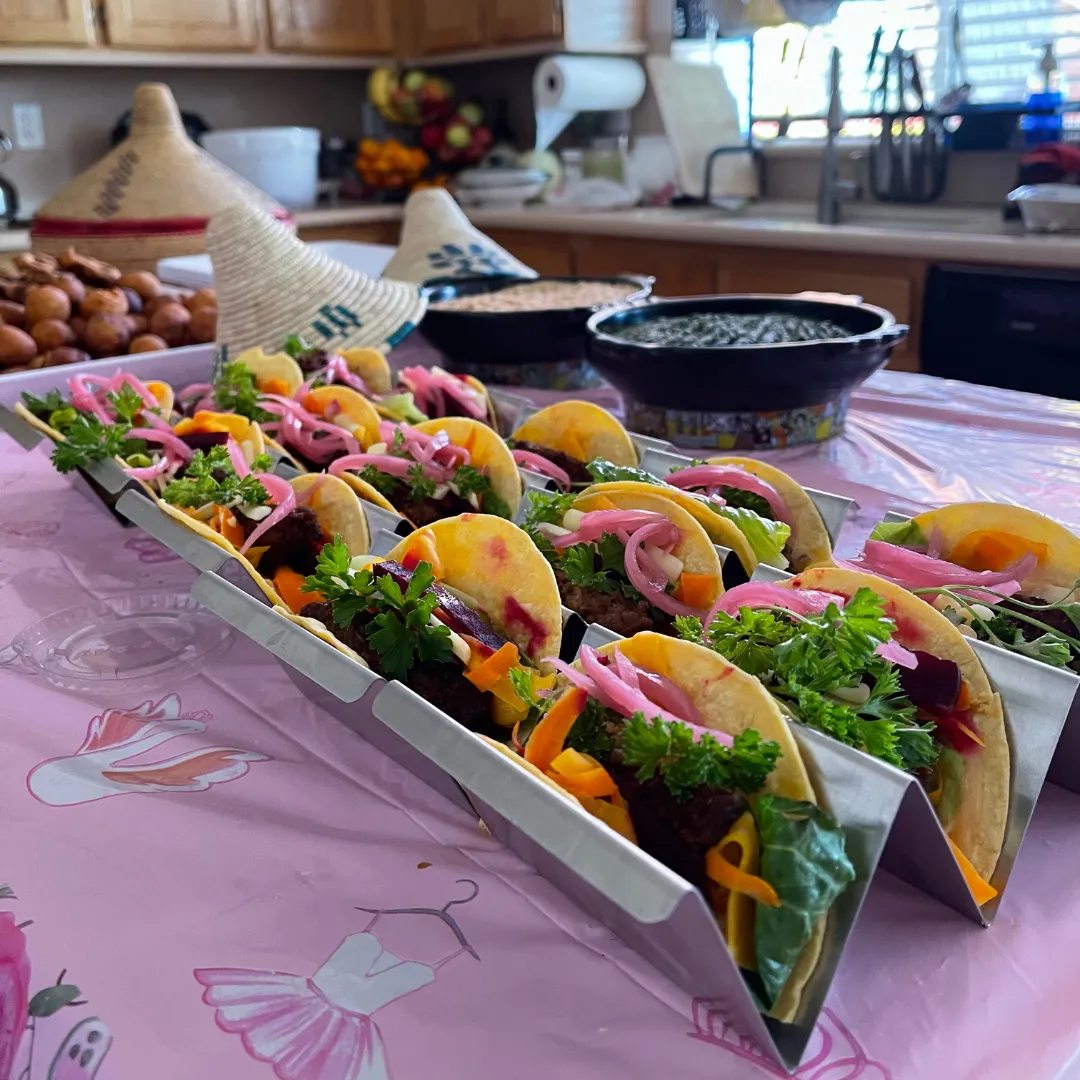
456,614
203,440
934,685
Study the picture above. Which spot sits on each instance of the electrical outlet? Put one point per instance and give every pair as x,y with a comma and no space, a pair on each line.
29,128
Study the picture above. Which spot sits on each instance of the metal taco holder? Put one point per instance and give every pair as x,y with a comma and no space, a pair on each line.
657,913
1036,700
1065,767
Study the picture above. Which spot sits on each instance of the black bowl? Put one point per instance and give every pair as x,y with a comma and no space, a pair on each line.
518,348
742,396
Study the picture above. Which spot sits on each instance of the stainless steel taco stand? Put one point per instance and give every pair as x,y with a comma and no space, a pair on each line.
656,912
1036,700
1065,766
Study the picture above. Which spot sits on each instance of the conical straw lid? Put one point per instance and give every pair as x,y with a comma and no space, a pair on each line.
270,285
149,197
439,241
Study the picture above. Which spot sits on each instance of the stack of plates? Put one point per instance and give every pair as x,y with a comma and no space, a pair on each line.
503,187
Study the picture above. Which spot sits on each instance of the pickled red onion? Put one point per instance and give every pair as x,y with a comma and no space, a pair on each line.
150,471
540,464
138,386
576,677
613,692
626,670
913,570
664,534
711,476
896,654
387,463
168,438
193,390
298,423
597,522
769,594
280,492
427,383
236,456
337,368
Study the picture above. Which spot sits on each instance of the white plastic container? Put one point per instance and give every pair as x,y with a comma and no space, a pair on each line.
1049,207
283,161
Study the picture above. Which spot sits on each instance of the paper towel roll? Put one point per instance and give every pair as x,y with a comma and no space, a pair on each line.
563,86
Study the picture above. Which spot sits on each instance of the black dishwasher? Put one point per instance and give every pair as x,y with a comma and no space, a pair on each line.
1003,327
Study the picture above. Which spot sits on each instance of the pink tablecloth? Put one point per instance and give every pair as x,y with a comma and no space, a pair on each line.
199,860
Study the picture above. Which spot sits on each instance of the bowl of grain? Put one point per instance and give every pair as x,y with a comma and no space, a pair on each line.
516,332
752,372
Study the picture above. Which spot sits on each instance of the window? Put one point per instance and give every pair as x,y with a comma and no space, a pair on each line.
1001,44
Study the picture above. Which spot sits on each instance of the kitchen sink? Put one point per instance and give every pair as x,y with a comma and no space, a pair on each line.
870,215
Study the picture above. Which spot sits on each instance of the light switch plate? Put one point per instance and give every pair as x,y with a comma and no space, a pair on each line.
29,126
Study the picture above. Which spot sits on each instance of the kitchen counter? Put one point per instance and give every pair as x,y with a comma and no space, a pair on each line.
965,234
961,234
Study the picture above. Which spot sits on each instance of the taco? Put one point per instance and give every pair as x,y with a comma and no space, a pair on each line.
687,756
1003,574
114,418
864,661
436,469
106,399
460,611
561,440
275,527
436,393
627,560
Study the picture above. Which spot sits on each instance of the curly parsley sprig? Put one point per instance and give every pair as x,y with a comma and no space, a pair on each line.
805,661
211,478
1052,647
396,623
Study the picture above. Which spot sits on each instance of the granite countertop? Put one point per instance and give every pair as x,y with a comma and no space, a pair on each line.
964,234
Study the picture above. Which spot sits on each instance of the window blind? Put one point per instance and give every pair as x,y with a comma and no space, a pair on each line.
1001,43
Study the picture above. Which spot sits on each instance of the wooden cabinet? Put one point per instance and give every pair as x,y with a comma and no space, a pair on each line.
512,21
46,22
679,269
191,24
445,25
333,26
549,254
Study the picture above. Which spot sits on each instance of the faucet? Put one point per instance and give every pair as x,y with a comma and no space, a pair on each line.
831,189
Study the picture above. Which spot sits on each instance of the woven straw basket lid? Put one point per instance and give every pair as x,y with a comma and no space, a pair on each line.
149,198
270,285
439,241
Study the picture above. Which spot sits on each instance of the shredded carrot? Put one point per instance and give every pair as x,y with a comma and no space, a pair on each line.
237,426
158,389
275,386
288,582
312,404
485,674
614,816
571,762
970,734
225,523
698,590
991,549
548,736
964,698
735,880
596,782
983,891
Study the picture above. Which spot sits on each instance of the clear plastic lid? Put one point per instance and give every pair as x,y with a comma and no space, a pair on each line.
135,642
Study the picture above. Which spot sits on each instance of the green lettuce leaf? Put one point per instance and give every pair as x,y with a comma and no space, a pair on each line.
402,407
803,858
605,472
766,538
902,533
